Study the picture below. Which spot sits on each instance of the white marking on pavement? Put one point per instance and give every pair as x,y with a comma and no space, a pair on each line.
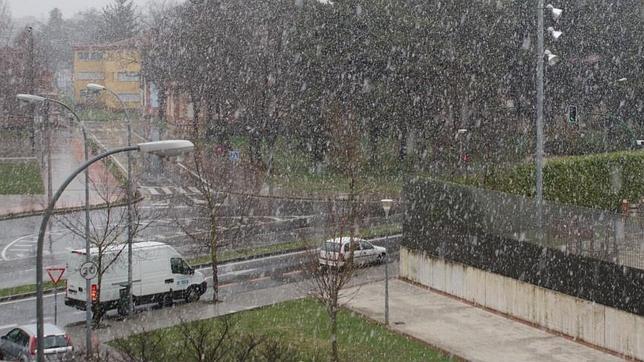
4,251
181,190
193,189
7,326
151,190
293,272
166,190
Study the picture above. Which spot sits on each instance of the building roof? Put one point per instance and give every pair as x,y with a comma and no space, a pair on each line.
129,43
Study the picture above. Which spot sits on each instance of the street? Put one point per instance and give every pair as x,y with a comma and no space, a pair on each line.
234,278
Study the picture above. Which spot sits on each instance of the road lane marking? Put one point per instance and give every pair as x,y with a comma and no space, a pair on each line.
293,272
4,251
193,189
151,190
166,190
258,279
7,326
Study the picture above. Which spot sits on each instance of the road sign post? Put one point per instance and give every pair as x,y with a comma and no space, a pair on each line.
55,274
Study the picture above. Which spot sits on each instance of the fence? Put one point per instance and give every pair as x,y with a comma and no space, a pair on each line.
599,234
590,254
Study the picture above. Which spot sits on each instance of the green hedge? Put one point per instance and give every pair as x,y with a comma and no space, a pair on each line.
597,181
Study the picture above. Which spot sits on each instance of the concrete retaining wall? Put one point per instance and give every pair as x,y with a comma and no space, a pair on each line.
593,323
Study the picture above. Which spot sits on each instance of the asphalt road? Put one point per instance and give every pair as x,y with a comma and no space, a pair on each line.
234,278
18,238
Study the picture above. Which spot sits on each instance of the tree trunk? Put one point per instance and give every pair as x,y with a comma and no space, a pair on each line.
334,332
213,256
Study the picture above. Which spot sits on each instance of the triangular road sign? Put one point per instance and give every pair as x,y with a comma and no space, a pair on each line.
55,273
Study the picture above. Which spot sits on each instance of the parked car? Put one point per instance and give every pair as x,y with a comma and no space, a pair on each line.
161,275
20,344
335,252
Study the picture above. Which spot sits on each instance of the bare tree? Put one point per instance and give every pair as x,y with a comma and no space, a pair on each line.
200,341
107,230
219,182
330,281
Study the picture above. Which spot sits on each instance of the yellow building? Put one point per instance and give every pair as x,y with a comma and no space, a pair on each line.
117,66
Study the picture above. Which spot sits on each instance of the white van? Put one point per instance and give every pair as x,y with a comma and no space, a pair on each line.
159,275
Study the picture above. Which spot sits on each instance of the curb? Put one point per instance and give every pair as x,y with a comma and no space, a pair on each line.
20,215
9,298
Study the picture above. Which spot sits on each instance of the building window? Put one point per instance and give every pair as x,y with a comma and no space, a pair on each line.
89,76
129,97
90,56
127,76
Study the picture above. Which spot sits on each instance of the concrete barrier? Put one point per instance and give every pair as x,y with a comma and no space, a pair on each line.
583,320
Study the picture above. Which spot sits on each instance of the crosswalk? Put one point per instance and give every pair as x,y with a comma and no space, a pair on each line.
169,190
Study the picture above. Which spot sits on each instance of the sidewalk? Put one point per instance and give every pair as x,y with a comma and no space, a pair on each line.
464,330
66,156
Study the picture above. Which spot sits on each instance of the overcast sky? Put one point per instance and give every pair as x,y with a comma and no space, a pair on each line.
40,8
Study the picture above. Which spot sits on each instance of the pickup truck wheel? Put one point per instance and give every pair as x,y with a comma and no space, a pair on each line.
192,294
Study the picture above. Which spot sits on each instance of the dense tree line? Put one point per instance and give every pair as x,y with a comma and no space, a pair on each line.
408,72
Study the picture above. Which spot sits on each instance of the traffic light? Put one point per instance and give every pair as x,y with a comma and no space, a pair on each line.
572,114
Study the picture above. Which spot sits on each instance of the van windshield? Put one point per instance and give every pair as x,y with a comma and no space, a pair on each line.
331,247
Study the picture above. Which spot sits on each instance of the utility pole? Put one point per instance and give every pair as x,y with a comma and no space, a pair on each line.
540,96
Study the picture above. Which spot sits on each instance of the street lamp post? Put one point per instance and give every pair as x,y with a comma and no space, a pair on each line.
99,88
161,148
552,59
386,205
88,302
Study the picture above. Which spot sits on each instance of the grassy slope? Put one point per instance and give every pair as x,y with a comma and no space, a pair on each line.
20,178
304,326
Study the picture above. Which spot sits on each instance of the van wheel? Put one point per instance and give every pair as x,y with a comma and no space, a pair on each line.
167,300
121,309
192,294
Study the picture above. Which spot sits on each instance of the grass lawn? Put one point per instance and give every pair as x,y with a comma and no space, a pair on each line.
20,178
304,326
21,289
226,255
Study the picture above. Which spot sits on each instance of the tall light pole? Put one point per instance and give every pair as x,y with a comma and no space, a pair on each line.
161,148
386,206
88,302
99,88
552,59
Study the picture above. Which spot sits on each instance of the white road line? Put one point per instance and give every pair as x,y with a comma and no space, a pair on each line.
4,251
166,190
7,326
150,190
193,189
181,190
28,241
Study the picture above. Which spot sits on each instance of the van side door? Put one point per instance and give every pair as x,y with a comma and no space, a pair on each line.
181,273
